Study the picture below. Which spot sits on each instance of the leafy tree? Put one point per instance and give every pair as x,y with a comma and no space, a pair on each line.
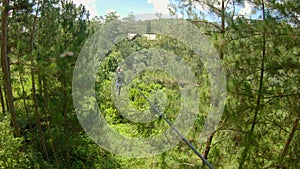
40,42
5,66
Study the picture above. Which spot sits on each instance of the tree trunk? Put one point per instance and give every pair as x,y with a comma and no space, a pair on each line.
2,101
37,116
45,94
207,147
259,96
222,28
66,124
25,104
287,144
5,68
221,55
35,100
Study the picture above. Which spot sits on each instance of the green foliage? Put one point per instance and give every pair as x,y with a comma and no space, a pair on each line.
259,123
12,152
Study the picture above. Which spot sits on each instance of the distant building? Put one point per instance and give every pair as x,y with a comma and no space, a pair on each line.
149,36
132,35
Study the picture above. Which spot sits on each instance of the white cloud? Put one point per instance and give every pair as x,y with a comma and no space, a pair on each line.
201,6
246,10
160,6
90,5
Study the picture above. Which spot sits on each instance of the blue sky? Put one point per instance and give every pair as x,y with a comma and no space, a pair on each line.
124,7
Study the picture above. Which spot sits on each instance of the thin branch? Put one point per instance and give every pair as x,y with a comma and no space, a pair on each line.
207,22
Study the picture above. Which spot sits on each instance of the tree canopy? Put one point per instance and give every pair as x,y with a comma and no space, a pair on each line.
41,41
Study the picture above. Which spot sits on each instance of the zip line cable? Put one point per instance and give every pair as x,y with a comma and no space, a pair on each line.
177,132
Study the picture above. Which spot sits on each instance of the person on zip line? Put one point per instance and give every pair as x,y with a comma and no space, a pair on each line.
119,80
